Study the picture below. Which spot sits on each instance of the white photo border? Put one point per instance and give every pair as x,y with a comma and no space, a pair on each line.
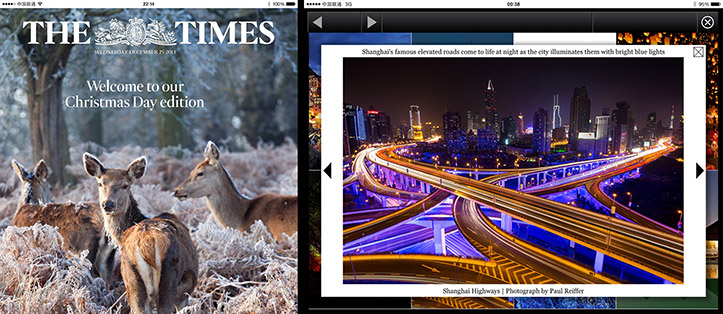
694,94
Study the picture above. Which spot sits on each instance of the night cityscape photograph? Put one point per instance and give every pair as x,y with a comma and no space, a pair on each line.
513,171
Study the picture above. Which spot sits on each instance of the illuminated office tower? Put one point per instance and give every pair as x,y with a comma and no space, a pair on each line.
624,125
603,128
355,132
579,115
451,123
507,133
603,134
650,132
473,120
403,130
378,128
415,124
492,122
427,129
556,118
672,116
520,125
678,136
541,132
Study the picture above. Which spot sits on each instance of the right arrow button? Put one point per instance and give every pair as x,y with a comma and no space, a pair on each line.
698,170
370,22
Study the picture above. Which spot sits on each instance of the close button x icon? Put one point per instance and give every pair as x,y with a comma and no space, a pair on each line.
698,52
707,22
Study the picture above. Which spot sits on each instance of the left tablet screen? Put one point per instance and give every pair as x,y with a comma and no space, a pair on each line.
148,157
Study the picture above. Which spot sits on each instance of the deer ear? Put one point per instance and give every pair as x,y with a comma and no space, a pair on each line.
137,168
19,170
211,153
92,165
41,170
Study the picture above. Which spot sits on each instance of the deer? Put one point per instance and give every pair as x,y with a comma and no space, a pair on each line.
80,225
229,207
159,262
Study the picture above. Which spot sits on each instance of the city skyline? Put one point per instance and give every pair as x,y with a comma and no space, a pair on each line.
441,85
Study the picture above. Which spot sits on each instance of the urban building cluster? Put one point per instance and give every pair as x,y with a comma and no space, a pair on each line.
612,131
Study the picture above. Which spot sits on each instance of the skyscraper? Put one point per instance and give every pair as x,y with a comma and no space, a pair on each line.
519,125
427,129
651,128
451,123
672,117
579,115
624,125
378,126
457,142
507,134
603,127
354,128
586,143
603,134
415,122
556,118
471,141
678,136
473,120
404,130
491,117
486,140
385,128
541,132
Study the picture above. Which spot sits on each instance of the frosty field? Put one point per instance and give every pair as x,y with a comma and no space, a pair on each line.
238,272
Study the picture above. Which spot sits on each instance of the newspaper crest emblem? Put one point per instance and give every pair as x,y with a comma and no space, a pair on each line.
135,33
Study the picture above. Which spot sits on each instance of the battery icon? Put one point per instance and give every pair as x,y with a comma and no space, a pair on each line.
715,4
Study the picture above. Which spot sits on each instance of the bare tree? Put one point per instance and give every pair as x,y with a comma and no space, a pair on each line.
44,69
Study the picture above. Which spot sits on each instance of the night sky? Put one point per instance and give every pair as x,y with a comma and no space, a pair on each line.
521,85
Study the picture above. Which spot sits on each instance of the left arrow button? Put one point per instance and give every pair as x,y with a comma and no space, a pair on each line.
327,170
318,22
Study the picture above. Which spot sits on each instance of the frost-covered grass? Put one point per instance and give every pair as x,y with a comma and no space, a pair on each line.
238,272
